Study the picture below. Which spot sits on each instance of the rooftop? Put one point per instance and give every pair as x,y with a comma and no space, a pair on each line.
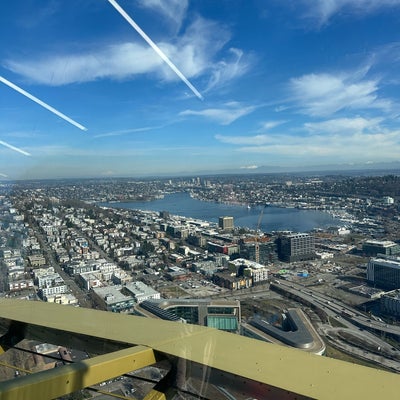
382,243
111,294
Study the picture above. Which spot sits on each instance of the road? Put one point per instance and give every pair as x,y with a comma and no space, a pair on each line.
376,349
49,254
337,307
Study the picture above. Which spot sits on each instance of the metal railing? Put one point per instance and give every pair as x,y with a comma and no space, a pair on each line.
204,362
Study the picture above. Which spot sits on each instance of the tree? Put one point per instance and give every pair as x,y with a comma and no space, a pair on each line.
146,248
124,265
69,224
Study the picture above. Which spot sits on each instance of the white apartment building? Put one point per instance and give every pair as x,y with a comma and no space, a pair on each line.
142,292
52,290
258,272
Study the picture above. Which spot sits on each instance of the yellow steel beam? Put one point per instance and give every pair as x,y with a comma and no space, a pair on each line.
67,379
163,389
274,366
156,394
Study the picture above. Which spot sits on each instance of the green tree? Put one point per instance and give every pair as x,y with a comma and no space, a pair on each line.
146,248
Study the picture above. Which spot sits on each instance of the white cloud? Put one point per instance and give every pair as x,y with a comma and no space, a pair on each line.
174,10
324,10
256,140
267,125
280,108
249,167
325,94
353,147
43,152
344,125
226,70
195,53
21,134
125,131
116,61
224,116
336,140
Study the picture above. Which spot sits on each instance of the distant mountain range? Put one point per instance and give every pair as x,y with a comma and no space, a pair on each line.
359,169
369,168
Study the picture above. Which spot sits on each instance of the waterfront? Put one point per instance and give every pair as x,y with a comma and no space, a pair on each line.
274,218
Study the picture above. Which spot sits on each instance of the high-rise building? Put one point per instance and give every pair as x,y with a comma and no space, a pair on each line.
384,272
296,247
226,223
267,252
390,303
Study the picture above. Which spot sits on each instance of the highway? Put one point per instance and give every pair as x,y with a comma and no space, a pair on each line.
361,340
357,326
327,303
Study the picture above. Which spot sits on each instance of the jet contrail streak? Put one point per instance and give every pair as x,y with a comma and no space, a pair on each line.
3,175
41,103
15,148
155,47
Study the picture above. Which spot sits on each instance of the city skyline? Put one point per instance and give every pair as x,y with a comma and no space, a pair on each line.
255,84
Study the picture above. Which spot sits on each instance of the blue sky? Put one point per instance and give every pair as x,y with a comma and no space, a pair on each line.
283,83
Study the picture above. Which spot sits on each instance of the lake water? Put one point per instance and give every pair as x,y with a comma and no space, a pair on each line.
274,218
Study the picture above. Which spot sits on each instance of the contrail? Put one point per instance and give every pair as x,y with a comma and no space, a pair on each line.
155,47
41,103
3,175
25,153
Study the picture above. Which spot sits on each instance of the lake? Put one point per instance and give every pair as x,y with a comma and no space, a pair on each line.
274,218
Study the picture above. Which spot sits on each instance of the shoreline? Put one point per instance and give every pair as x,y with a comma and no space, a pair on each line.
245,216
